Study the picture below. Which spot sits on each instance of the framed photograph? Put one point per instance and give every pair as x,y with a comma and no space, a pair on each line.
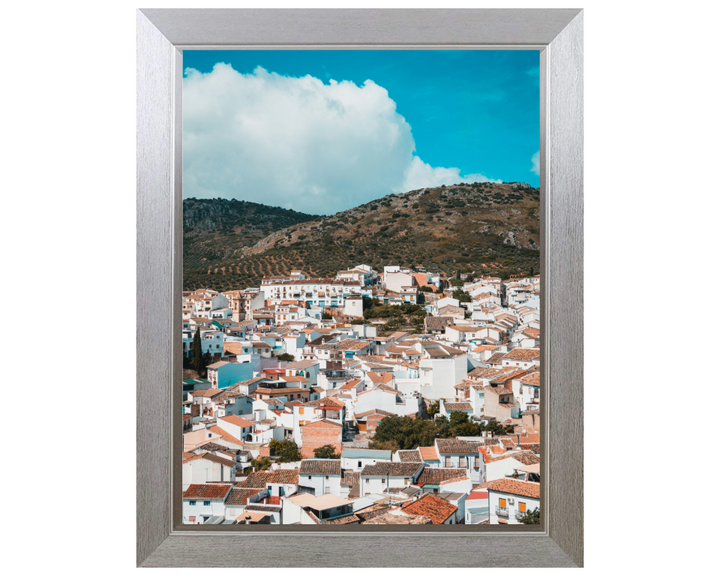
359,288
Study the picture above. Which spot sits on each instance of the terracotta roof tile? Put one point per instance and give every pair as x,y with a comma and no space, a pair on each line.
237,421
526,458
457,406
397,469
429,505
409,456
322,467
428,453
454,446
512,486
523,354
438,475
212,458
239,496
207,491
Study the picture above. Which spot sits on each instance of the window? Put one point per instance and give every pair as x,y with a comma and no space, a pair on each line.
192,502
359,464
522,507
327,477
448,463
503,503
383,480
463,461
206,502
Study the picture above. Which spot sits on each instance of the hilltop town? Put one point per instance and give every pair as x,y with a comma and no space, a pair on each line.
392,397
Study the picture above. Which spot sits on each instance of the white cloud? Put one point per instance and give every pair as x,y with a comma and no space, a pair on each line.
297,142
422,175
535,163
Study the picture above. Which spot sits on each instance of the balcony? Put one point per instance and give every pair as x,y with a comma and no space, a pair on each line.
502,511
269,501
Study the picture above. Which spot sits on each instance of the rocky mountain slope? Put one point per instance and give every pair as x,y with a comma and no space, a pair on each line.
489,228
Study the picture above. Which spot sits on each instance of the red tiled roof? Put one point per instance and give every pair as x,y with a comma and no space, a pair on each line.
529,439
516,487
240,496
207,491
322,424
439,475
428,453
429,505
477,495
237,421
212,458
525,354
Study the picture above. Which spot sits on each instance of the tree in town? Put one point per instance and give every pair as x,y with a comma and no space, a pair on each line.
261,463
207,360
531,517
286,450
434,408
462,296
391,445
285,357
327,451
198,361
408,433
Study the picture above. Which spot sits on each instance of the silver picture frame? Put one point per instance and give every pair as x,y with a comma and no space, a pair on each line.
162,36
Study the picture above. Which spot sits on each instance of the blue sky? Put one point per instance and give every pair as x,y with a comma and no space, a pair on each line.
324,130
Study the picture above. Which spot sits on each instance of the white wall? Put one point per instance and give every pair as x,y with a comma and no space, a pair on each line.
216,508
494,500
439,381
353,307
321,483
376,485
398,280
201,471
352,463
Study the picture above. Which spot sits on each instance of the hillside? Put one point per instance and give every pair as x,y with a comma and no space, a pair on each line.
493,228
217,230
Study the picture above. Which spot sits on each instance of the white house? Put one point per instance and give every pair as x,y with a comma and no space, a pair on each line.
477,507
440,369
526,391
509,499
205,503
237,427
377,478
522,357
505,465
207,467
456,453
396,281
321,476
238,499
358,458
